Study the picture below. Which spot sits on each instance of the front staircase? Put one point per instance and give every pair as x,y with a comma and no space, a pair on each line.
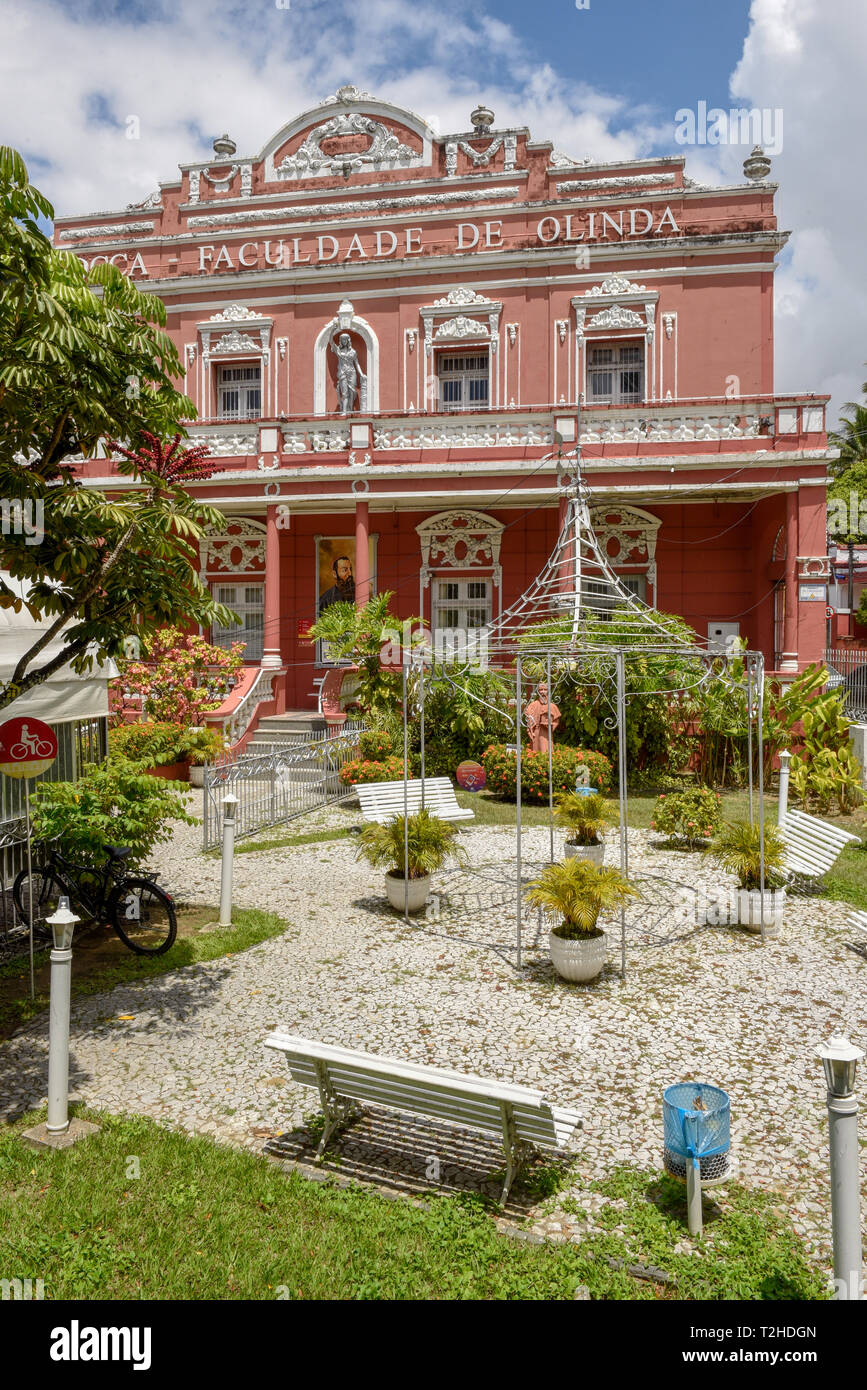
295,726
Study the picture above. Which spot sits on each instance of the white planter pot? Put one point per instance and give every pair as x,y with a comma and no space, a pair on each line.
578,960
197,775
396,890
594,853
749,910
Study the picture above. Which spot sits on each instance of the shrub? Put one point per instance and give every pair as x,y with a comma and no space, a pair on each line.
430,842
369,770
737,848
148,745
112,803
201,745
586,818
182,676
576,892
500,764
692,815
376,744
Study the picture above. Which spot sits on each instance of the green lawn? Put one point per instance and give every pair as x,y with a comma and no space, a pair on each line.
250,927
202,1221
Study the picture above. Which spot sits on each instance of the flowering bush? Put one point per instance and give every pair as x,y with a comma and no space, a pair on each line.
183,676
370,770
376,744
147,745
500,764
692,815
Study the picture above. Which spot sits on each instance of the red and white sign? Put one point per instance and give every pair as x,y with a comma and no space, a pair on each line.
27,747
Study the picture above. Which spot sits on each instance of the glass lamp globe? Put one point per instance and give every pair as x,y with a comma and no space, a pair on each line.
840,1060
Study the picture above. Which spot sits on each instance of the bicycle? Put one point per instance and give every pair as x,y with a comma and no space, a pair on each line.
37,748
142,913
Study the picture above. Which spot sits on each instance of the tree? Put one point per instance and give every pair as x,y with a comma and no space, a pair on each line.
84,361
848,522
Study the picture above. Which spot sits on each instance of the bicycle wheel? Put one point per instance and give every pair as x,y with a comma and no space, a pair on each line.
143,916
45,894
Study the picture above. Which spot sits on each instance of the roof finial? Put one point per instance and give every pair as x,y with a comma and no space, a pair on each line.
225,146
482,119
758,165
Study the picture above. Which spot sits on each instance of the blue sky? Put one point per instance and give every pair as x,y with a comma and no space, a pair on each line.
605,81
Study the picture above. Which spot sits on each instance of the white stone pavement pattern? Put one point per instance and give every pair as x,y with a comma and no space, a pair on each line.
699,1003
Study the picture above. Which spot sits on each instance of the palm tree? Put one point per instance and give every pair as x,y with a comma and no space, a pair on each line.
586,818
577,891
431,842
737,848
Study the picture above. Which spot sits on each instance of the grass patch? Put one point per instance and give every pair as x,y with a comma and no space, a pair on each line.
100,960
847,881
202,1221
314,837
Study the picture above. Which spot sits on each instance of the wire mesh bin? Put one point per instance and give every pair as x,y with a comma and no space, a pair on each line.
695,1120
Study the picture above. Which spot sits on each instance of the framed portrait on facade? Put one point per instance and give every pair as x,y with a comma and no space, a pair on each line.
335,577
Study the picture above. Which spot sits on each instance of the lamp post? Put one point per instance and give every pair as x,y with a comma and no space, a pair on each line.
230,803
840,1060
62,926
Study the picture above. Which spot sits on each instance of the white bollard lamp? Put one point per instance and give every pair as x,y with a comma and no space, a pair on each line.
840,1060
62,925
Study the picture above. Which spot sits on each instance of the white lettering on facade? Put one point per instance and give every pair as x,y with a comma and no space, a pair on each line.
411,246
467,227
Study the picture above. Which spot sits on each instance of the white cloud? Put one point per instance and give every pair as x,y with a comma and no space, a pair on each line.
810,59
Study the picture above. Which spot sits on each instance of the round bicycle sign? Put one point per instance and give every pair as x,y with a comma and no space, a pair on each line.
27,747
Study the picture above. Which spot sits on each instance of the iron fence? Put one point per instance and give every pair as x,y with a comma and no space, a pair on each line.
274,783
847,673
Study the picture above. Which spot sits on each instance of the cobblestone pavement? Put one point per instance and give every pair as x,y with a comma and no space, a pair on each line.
698,1003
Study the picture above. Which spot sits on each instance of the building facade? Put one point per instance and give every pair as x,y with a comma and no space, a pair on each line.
395,339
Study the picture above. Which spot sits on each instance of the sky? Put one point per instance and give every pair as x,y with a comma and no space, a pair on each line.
105,97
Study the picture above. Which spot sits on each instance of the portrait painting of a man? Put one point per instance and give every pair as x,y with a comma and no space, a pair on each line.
342,590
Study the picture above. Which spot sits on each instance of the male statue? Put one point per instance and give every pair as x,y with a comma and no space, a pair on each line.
349,374
542,719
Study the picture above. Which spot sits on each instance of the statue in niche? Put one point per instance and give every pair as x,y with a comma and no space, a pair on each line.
350,378
542,718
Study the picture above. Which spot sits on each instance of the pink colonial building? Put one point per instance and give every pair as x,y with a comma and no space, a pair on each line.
389,334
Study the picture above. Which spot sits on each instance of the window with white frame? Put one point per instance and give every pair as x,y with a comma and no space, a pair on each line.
239,391
462,605
600,597
463,381
248,601
615,373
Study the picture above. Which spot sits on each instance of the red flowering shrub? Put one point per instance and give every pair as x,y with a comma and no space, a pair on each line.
500,766
371,770
376,744
183,676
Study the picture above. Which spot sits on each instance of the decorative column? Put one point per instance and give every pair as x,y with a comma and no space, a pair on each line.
789,661
271,656
362,553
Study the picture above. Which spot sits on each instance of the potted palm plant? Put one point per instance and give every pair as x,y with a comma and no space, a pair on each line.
577,891
586,819
430,842
737,848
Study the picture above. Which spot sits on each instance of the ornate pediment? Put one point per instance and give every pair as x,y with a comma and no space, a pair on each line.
235,342
239,549
235,313
460,540
615,285
626,535
461,327
463,294
349,143
616,317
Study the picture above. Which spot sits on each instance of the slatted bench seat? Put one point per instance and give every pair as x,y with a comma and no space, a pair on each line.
857,920
344,1078
382,801
812,845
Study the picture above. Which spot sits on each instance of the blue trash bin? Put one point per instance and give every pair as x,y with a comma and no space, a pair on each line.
695,1120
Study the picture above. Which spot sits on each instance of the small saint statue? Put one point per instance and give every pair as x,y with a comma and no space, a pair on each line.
542,719
349,373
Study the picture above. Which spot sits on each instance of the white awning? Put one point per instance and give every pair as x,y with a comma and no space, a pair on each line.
65,695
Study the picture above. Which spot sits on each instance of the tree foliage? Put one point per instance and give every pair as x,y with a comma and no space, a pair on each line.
85,361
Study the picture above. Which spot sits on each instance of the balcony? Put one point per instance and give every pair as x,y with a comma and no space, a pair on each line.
710,424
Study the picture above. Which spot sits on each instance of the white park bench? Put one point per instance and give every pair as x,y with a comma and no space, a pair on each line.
857,920
382,801
522,1117
812,845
